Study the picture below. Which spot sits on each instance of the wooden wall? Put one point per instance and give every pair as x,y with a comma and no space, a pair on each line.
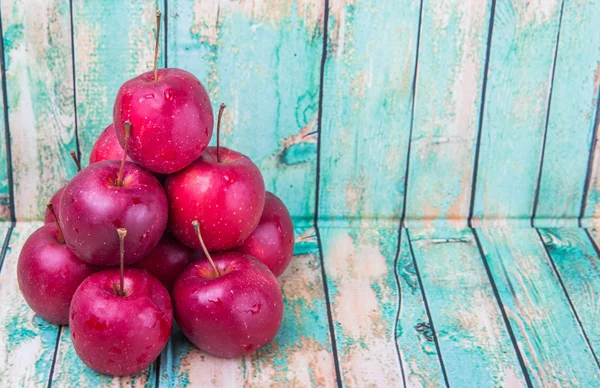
357,111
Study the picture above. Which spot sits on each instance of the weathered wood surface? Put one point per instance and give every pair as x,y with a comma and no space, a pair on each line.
414,336
516,100
262,59
452,56
550,339
301,354
468,322
27,342
113,42
39,81
367,109
571,120
576,261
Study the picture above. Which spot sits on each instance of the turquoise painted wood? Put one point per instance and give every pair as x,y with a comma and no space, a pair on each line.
27,342
576,260
359,265
572,117
263,61
549,337
518,86
467,319
39,82
113,42
414,338
367,109
300,355
452,57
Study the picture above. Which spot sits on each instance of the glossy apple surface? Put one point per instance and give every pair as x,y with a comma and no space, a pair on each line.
171,119
233,314
107,147
55,201
49,273
115,334
92,207
167,260
272,242
226,197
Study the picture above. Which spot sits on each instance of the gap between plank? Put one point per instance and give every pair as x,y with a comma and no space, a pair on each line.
536,197
75,119
590,166
502,310
435,339
486,67
54,356
399,308
9,169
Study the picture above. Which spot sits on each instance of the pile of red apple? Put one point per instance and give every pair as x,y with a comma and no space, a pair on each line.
160,226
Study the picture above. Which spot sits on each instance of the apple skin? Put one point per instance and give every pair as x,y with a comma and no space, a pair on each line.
107,147
92,207
171,119
167,260
120,335
227,198
233,314
272,242
49,273
55,201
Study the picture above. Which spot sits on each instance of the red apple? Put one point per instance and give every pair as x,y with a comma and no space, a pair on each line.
107,147
120,319
232,314
49,273
171,119
167,260
272,242
226,196
55,200
97,201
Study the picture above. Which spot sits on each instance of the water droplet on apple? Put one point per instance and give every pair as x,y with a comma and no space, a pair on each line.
149,96
169,94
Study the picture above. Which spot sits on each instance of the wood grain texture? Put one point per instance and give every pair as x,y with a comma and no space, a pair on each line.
414,337
549,337
516,100
113,42
467,319
37,44
69,370
27,341
359,264
571,118
452,55
300,355
367,109
262,59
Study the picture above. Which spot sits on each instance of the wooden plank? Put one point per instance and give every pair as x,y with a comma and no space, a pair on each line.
414,337
113,42
576,260
69,370
571,118
37,44
27,342
516,100
300,355
367,109
262,59
549,337
452,56
475,345
364,302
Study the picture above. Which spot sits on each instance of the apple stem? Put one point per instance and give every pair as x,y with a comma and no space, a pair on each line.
61,237
156,44
122,233
196,226
221,109
76,160
127,125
